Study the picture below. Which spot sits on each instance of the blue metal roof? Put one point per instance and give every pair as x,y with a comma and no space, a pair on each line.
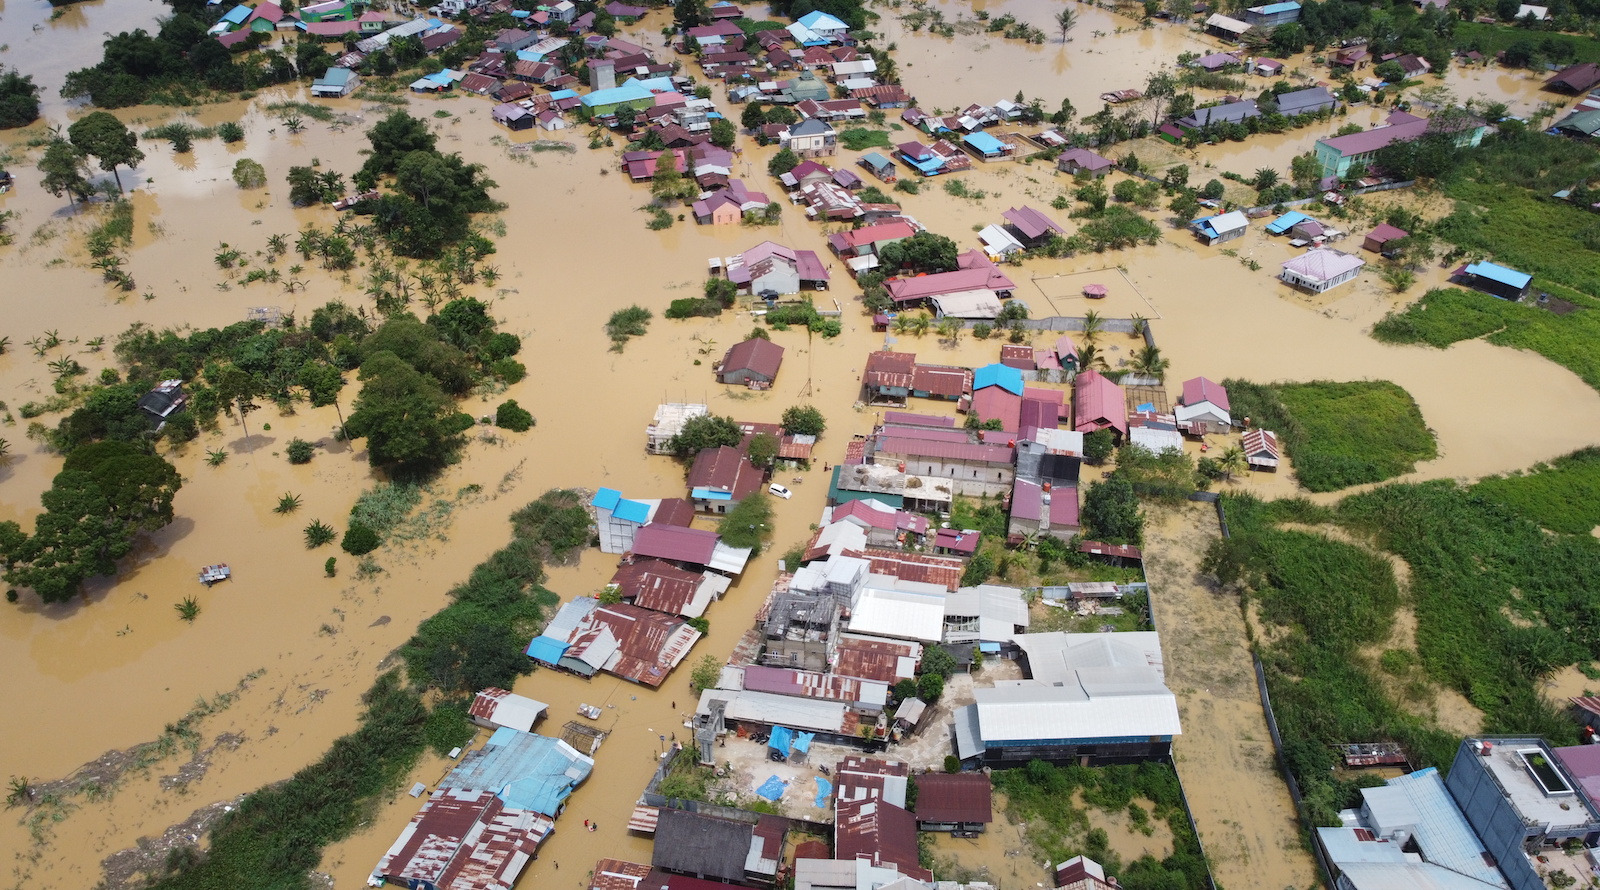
984,143
628,92
1003,376
547,650
929,167
632,511
606,499
1273,8
526,771
563,94
875,160
237,15
819,19
711,494
1501,274
1286,222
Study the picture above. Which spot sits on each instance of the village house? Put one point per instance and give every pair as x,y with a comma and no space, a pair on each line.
1337,154
1204,408
668,422
1031,226
957,542
1082,873
871,824
1077,161
495,708
977,285
1044,509
972,469
867,239
689,548
772,269
618,519
1381,236
720,478
1261,449
1575,79
884,526
1226,113
729,205
878,166
1221,227
810,138
710,848
932,160
1099,404
997,395
1494,280
1093,698
1273,15
660,586
818,28
883,95
636,644
162,401
1154,431
1307,101
1226,27
940,382
1266,67
954,802
463,839
987,146
335,83
753,362
1521,798
1214,62
1321,269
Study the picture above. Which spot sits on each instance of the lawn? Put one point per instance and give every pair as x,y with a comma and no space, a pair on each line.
1446,316
861,138
1339,434
1562,496
1490,39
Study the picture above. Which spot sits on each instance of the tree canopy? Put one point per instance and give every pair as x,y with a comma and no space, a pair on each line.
19,100
63,166
1111,512
409,423
803,420
705,431
922,252
101,136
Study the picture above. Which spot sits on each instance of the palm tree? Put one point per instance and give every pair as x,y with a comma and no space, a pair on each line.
1233,463
1149,362
1092,324
902,323
1266,178
1089,357
1065,20
950,329
921,324
1140,324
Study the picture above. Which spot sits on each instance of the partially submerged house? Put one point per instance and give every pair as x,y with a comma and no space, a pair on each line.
1226,113
1082,160
1307,101
1321,269
626,641
775,270
1273,14
1099,404
753,362
1379,239
1030,226
463,839
1575,79
954,802
1221,227
1338,154
496,708
810,138
1261,449
720,478
1204,408
1494,280
335,83
162,401
711,848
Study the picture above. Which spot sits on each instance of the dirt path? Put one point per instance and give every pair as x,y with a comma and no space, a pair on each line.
1224,756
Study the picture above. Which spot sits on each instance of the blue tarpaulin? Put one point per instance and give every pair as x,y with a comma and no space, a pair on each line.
782,738
824,788
802,741
772,788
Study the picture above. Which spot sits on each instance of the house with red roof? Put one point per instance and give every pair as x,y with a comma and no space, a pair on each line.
1379,238
464,840
1099,404
720,478
867,239
1041,508
997,394
884,525
888,376
1030,226
753,363
973,469
660,586
1204,408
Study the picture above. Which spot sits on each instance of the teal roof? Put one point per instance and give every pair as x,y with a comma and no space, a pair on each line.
526,771
237,15
628,92
984,143
631,511
1286,222
1003,376
836,495
1500,273
875,160
821,21
606,499
547,650
710,494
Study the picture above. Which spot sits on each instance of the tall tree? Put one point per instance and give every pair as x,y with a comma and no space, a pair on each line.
101,136
409,423
393,138
689,14
1159,89
63,165
1066,19
238,389
323,383
19,100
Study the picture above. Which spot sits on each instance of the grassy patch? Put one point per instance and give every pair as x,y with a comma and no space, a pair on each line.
1339,434
1043,796
626,324
1443,317
1491,39
1563,495
862,138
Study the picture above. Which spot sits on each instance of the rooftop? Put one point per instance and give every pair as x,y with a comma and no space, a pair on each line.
956,797
1512,762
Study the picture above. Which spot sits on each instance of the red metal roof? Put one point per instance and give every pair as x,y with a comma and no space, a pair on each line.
1200,389
1384,233
726,469
880,833
756,355
674,511
675,543
802,684
651,643
929,569
1020,357
1100,548
959,541
995,403
656,585
941,380
990,454
1031,222
617,874
954,797
466,840
905,290
1099,403
872,659
889,369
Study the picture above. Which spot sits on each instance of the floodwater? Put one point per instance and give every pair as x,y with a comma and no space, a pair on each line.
111,672
47,42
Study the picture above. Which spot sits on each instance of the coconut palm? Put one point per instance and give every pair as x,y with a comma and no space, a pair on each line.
950,329
1149,362
1065,20
1092,325
1089,357
1233,463
1140,324
921,324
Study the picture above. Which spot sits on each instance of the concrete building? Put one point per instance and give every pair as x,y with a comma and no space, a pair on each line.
1321,269
1519,798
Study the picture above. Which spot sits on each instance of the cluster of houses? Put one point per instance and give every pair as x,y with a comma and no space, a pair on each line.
329,19
488,816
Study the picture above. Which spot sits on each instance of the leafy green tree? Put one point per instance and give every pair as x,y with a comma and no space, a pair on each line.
409,423
463,323
249,174
763,450
905,689
723,133
238,389
392,139
322,383
782,162
922,252
19,100
803,420
1111,512
935,660
1098,446
930,687
138,486
749,523
63,166
753,117
1092,193
359,540
689,14
513,417
705,431
104,138
705,674
305,188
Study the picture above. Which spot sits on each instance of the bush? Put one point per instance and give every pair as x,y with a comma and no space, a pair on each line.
627,323
693,307
952,763
513,417
248,174
1098,446
300,451
230,132
359,540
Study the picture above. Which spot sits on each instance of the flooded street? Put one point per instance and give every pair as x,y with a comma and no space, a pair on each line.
113,672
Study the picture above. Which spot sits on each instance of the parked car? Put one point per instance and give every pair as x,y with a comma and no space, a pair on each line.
779,490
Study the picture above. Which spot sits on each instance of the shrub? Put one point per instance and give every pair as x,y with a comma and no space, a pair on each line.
230,132
248,174
514,417
300,451
627,323
319,533
359,540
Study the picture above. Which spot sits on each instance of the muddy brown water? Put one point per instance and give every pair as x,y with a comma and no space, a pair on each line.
112,671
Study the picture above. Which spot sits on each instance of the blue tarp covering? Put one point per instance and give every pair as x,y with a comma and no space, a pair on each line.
984,144
1510,277
632,511
547,649
526,771
782,738
772,789
1286,222
802,741
824,788
606,499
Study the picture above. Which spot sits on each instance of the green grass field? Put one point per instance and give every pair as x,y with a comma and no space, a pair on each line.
1339,434
1490,39
1562,496
861,138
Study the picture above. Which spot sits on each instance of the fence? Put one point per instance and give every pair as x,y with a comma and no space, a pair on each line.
1299,202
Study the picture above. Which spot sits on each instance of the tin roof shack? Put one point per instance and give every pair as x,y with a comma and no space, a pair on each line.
887,377
1494,280
711,848
162,401
1273,14
1519,798
1221,227
1261,449
1408,834
1575,79
1321,269
1204,408
754,361
1379,239
660,586
1030,226
954,802
1099,404
868,697
722,477
1095,698
617,874
870,819
627,641
528,772
987,613
495,708
1082,873
1227,28
1227,113
463,840
1082,160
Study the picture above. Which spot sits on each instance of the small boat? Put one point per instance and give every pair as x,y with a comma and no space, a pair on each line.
210,575
590,711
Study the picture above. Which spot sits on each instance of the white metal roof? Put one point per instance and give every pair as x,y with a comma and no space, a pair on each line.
899,613
1207,409
809,714
1036,711
1058,657
1154,440
516,711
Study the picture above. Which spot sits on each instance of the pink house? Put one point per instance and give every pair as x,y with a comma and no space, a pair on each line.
1099,404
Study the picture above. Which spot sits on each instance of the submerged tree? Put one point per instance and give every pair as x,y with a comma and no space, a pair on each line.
101,136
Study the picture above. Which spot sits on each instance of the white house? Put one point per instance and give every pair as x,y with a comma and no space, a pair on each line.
1321,269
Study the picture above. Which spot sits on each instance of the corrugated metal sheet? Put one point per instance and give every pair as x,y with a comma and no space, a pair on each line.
896,614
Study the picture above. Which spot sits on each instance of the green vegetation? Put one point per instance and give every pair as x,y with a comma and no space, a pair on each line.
803,420
557,522
705,674
749,523
101,136
1443,317
19,99
513,417
705,431
188,609
288,502
626,324
1551,46
359,540
300,451
1111,511
862,138
1338,434
1562,496
319,533
686,779
806,314
1043,796
249,174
